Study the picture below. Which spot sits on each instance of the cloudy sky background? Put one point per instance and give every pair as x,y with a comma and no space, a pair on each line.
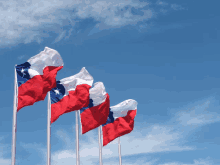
163,54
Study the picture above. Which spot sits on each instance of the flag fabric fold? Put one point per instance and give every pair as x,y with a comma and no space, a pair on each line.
120,120
37,76
70,94
96,113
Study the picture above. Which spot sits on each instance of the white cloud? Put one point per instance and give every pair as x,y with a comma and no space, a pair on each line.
3,147
158,139
206,161
5,161
138,162
200,114
25,21
3,151
64,137
162,3
153,139
63,157
21,57
176,7
61,36
41,151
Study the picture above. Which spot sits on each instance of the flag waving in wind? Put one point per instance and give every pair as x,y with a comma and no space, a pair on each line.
70,94
96,113
120,120
37,76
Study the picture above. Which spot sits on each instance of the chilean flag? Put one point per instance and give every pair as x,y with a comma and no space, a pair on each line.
37,76
96,113
120,120
70,94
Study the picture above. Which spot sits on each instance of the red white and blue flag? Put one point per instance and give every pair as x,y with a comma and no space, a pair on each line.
120,120
96,113
70,94
37,76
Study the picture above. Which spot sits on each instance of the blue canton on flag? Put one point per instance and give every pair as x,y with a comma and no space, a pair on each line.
57,93
22,73
89,106
110,118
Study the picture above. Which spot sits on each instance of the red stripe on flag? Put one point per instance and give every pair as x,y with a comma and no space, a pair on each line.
36,88
120,127
74,101
95,116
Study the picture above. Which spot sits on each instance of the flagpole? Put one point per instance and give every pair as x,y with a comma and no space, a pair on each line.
14,125
48,128
119,151
77,138
100,146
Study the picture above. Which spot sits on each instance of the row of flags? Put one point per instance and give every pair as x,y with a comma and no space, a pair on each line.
37,77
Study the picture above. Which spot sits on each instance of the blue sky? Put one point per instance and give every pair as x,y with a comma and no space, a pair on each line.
163,54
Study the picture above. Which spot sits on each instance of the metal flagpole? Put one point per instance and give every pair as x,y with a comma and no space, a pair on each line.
100,146
48,128
14,126
77,139
119,151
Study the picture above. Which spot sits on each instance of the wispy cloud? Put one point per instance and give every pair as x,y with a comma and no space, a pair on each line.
64,137
176,7
5,161
162,3
27,21
206,161
38,149
203,113
154,139
4,149
61,36
136,162
21,57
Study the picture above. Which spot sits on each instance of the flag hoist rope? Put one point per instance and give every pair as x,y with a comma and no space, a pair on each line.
100,145
48,128
119,151
77,138
14,124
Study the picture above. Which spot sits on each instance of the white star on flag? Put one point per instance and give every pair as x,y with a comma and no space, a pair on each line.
22,70
56,91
